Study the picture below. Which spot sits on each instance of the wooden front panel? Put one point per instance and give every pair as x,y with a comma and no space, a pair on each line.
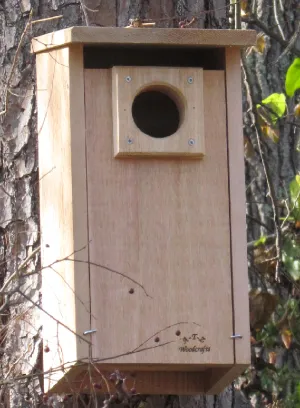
163,223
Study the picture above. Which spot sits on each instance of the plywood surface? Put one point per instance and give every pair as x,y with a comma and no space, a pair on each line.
174,83
155,36
81,379
63,210
165,224
205,379
237,206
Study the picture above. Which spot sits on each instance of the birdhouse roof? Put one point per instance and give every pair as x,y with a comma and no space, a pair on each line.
164,37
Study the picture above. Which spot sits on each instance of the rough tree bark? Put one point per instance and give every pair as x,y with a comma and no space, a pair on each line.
21,327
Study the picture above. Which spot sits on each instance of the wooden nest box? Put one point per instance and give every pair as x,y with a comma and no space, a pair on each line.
142,209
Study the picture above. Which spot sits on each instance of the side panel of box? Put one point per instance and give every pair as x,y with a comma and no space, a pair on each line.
160,243
237,206
63,209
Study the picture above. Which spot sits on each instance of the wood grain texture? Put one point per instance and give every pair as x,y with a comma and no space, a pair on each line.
237,206
80,379
63,210
154,36
206,380
174,83
161,223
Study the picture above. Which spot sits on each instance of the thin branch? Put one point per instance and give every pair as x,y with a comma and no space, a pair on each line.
269,240
272,196
258,222
200,15
83,362
267,173
277,19
8,220
253,20
52,317
84,10
291,210
100,266
162,330
16,274
291,43
11,74
71,289
102,376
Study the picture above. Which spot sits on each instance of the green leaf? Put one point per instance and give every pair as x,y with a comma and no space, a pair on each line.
292,79
260,241
277,105
295,197
291,257
298,392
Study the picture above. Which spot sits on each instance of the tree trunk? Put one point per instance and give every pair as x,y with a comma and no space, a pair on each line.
21,321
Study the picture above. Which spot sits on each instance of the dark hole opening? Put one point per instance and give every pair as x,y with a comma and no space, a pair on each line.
155,114
143,55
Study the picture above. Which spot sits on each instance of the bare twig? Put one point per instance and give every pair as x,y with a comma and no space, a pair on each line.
291,43
67,258
269,239
273,202
162,330
277,19
201,14
290,210
52,317
138,23
16,274
253,20
28,25
83,362
84,10
102,376
258,222
269,181
72,290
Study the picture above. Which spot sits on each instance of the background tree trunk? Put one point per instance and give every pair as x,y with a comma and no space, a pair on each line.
21,323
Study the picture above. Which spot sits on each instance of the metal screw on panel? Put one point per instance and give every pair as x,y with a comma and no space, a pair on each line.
190,80
128,79
236,336
129,141
91,331
191,142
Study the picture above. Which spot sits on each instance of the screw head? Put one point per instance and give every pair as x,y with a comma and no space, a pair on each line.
190,80
128,78
129,141
191,142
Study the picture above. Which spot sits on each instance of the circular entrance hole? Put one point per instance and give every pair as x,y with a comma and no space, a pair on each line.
156,111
